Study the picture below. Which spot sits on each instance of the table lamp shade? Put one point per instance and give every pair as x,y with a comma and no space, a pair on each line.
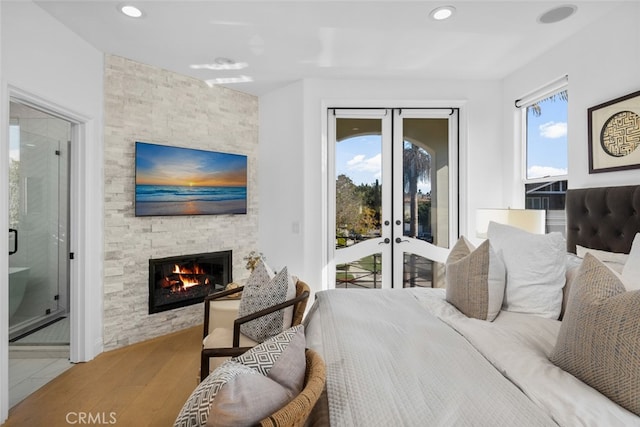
531,220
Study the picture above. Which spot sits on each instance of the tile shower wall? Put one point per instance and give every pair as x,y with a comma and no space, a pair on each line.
144,103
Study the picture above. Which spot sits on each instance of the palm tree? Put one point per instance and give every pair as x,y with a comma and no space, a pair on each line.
537,110
416,167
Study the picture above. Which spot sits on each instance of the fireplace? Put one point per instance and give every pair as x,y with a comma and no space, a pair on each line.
184,280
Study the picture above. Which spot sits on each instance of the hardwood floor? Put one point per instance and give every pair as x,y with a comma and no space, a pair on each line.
144,384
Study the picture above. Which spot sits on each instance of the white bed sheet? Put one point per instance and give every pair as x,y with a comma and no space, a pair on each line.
519,345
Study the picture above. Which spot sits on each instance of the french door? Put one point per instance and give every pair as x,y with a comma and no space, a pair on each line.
393,196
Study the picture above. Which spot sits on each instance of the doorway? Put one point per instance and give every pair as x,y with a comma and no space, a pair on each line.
393,196
38,220
39,284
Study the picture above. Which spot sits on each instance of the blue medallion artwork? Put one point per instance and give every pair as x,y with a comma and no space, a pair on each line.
184,181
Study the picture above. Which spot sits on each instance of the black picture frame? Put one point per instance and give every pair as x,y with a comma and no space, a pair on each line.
614,134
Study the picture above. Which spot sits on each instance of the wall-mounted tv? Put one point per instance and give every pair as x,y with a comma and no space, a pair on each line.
184,181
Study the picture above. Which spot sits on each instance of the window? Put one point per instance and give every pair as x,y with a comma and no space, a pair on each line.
546,136
545,123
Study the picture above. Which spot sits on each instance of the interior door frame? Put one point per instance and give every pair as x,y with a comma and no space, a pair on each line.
82,346
328,270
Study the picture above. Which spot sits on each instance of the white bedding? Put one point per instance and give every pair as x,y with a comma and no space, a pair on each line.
518,345
390,362
382,351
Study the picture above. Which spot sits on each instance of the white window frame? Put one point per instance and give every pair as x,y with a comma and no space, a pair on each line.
523,103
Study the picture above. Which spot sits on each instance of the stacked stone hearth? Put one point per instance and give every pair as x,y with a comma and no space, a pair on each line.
144,103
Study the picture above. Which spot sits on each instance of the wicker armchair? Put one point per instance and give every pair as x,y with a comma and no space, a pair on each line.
223,340
296,412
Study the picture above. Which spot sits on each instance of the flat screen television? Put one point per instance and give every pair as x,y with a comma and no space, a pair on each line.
184,181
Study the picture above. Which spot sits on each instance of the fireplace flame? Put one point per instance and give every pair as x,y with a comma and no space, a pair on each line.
188,275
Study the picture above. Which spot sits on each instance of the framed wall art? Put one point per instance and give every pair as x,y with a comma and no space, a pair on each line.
614,134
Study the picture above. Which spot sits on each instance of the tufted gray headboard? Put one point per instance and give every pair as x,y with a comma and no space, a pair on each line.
605,218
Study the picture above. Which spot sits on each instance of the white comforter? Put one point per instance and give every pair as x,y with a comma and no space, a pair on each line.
394,358
519,345
391,363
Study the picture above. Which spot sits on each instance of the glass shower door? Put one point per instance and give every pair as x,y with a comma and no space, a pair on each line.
38,212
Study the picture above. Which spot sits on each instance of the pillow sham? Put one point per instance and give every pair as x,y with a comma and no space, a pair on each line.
615,259
599,339
535,265
475,279
631,270
263,291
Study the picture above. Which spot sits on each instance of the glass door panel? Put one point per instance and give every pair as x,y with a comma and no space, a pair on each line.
359,193
424,143
362,273
38,208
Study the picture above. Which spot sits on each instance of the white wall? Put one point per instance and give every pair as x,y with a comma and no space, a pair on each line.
292,124
44,62
602,62
281,178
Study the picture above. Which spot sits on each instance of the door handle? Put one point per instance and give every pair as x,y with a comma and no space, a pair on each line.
399,240
385,241
15,241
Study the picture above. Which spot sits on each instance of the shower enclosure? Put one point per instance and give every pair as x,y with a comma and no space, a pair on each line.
38,221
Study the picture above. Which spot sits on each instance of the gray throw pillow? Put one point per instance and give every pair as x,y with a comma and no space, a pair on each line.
475,280
260,292
599,339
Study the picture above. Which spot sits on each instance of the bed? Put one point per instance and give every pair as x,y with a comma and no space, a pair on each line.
411,357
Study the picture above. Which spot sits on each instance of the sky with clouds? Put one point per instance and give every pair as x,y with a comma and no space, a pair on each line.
360,157
547,140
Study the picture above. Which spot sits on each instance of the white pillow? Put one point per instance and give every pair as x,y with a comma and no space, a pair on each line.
613,260
535,265
631,270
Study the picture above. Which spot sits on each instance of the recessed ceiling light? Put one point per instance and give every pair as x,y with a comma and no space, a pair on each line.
221,64
442,13
228,80
130,10
557,14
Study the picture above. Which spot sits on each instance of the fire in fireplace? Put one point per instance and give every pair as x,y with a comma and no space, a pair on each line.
184,280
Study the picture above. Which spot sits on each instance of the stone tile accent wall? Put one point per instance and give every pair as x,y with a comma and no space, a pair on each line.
144,103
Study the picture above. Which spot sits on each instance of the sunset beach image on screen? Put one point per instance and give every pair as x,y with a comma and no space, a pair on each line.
184,181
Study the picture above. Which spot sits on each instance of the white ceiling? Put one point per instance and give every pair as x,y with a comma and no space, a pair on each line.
284,41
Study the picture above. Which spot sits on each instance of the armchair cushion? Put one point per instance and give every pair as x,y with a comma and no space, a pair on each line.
262,291
223,337
222,313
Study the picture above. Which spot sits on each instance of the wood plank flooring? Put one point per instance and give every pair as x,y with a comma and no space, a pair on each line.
144,384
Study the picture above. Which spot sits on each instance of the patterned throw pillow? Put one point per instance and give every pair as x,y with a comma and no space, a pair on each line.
280,358
250,387
599,339
234,394
260,292
475,280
